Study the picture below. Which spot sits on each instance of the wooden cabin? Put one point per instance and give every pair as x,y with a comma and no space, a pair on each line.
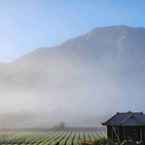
126,126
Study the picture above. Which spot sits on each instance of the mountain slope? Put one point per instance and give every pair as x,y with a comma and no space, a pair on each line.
103,67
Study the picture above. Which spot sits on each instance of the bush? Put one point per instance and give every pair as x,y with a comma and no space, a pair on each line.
104,141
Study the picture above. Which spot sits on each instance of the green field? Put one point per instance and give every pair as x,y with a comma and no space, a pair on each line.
49,138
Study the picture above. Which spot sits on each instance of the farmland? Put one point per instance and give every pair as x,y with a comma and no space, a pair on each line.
50,137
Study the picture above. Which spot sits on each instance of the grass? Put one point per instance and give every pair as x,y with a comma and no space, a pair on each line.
106,141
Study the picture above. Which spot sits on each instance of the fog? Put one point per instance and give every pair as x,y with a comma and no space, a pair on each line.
80,82
62,95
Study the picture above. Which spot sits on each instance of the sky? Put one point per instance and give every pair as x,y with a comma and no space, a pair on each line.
29,24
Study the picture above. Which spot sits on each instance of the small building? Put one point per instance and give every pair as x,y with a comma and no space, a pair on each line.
126,126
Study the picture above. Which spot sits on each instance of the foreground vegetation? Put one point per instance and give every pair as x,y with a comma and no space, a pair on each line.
50,138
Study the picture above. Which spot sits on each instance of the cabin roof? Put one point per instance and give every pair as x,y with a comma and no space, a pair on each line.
126,119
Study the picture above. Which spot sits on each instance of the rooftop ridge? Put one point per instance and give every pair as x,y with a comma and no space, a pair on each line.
123,118
130,112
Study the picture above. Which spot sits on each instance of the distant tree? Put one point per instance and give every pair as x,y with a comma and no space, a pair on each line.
61,125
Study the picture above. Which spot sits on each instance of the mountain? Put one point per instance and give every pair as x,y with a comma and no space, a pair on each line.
78,81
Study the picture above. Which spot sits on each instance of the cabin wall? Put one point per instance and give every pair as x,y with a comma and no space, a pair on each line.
134,133
114,133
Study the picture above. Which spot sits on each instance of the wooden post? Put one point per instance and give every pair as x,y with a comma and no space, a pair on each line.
124,133
141,134
111,129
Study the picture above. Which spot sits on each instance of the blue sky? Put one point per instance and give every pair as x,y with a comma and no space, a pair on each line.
29,24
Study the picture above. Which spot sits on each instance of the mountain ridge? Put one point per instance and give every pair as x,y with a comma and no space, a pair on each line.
117,27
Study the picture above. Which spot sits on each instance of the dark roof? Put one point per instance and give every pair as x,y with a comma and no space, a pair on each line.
127,119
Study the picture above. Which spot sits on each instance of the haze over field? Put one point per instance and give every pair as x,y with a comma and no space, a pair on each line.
70,61
86,78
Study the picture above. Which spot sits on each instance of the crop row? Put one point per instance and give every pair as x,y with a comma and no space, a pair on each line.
49,138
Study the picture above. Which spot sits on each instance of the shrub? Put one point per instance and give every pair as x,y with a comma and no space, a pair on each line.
104,141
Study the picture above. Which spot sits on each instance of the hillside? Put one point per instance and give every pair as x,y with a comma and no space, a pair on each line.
74,79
